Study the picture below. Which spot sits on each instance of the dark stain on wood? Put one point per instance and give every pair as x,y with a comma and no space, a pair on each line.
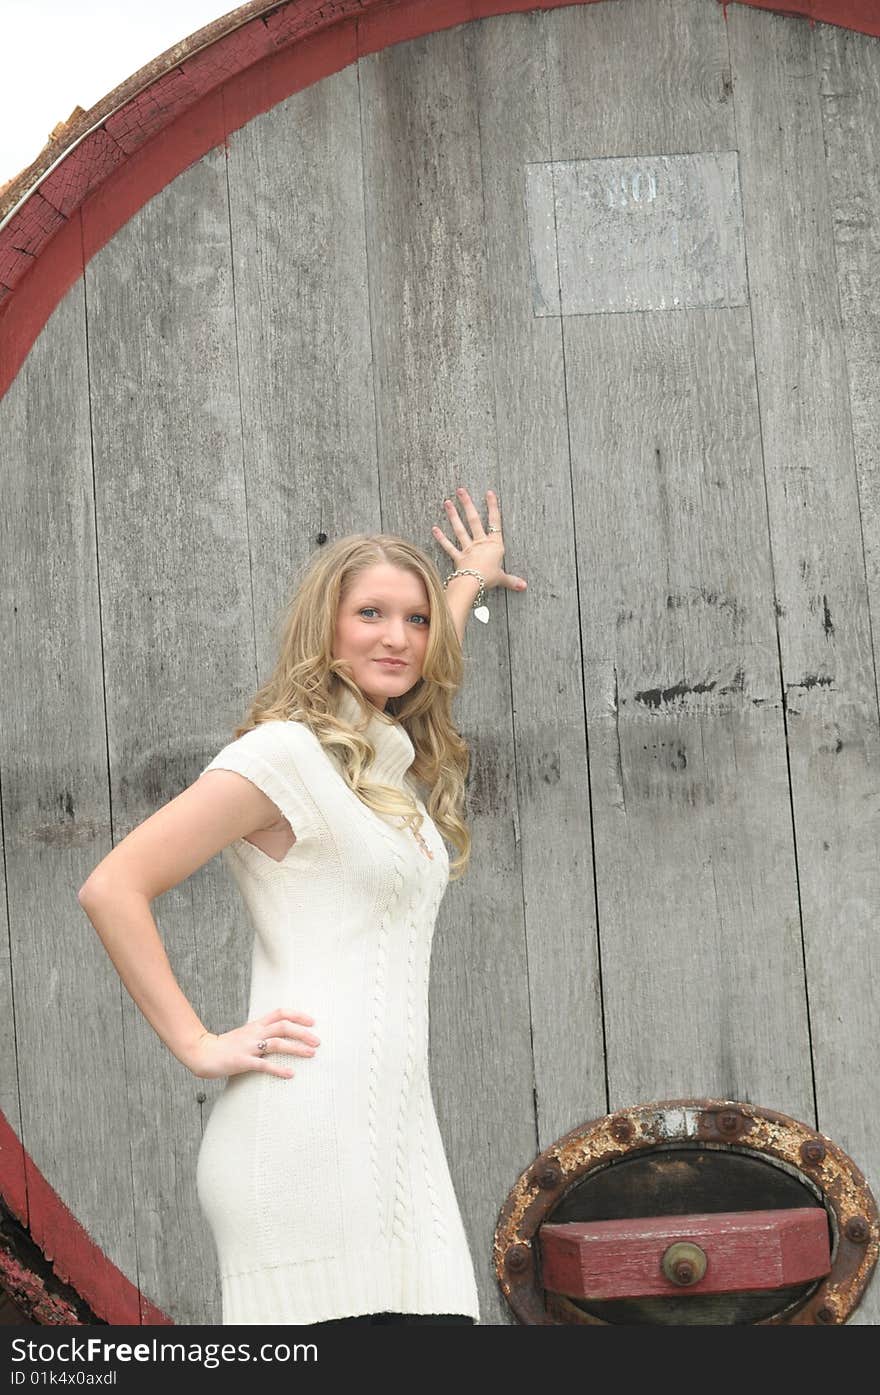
488,788
679,760
655,697
715,598
812,680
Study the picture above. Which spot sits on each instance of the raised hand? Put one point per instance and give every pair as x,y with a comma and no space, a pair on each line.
252,1046
482,549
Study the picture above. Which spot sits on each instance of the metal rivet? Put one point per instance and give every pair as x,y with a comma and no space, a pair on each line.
518,1259
728,1122
684,1263
857,1229
826,1315
813,1151
621,1130
549,1175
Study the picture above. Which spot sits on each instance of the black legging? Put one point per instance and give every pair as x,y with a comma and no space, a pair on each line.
386,1319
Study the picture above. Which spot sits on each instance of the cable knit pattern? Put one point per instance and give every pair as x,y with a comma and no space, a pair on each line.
402,1198
328,1193
375,1096
425,1097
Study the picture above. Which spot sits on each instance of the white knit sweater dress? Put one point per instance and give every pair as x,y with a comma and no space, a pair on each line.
328,1193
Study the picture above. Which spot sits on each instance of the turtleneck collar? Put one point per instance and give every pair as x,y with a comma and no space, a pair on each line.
395,752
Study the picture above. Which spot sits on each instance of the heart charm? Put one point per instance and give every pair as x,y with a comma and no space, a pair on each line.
482,613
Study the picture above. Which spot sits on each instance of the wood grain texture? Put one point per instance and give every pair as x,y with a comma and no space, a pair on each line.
177,633
68,1043
646,232
551,817
12,1164
697,894
639,77
436,420
702,972
848,69
827,655
302,311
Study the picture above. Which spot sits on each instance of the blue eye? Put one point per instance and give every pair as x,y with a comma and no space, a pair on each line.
365,608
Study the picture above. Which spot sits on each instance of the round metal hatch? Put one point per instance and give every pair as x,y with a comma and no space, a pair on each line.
685,1212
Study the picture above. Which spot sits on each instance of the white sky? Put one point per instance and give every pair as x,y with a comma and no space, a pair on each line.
58,54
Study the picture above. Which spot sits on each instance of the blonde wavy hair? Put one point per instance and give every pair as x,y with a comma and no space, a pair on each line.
306,678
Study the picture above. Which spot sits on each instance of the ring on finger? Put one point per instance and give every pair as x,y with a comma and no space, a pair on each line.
262,1047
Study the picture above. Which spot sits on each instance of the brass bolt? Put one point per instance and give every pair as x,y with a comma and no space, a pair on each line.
684,1263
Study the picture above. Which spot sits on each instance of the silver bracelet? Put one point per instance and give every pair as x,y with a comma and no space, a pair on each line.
480,609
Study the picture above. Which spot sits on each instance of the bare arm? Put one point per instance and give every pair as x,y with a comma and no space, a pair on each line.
461,592
161,852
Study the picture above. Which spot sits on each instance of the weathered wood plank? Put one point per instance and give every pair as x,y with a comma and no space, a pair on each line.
701,961
12,1165
67,1045
661,232
430,311
639,77
531,475
703,984
176,614
848,68
302,304
824,623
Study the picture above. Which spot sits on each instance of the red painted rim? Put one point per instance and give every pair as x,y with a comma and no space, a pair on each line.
117,157
74,1256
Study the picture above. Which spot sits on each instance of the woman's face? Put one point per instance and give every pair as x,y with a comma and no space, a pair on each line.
386,615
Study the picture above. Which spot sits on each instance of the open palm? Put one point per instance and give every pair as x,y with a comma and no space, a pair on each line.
481,549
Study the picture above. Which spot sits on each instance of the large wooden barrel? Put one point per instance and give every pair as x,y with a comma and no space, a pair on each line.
301,277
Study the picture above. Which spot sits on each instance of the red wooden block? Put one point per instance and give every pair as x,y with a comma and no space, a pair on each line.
745,1250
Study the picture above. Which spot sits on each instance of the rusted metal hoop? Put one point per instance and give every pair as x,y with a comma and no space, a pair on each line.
813,1158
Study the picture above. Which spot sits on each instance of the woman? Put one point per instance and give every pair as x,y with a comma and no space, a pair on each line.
321,1170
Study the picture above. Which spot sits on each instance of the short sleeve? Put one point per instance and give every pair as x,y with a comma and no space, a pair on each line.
274,756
